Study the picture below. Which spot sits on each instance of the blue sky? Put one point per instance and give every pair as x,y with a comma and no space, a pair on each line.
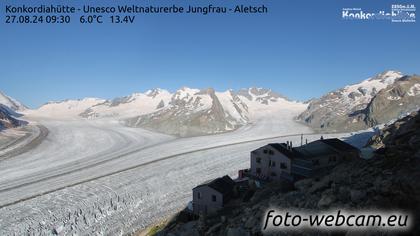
301,49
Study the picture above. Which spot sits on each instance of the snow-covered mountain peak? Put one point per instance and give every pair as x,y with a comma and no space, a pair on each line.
193,100
11,103
136,97
121,100
188,90
258,91
362,92
261,95
132,105
156,92
74,101
387,77
357,106
66,108
185,93
208,91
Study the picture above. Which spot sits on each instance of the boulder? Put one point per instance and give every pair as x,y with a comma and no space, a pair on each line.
326,200
58,229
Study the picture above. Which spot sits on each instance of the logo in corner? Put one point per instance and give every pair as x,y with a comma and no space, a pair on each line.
398,13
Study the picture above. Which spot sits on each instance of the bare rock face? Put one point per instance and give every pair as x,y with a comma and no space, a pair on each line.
397,99
376,100
7,120
161,104
11,103
9,109
404,134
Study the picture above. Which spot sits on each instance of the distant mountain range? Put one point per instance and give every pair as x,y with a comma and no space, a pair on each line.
186,112
196,112
373,101
189,112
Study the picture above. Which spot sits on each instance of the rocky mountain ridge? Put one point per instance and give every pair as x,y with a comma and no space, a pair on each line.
396,100
11,103
373,101
9,109
7,120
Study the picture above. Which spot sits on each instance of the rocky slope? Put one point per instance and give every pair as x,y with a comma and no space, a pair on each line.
7,120
395,100
8,111
376,100
387,181
11,103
